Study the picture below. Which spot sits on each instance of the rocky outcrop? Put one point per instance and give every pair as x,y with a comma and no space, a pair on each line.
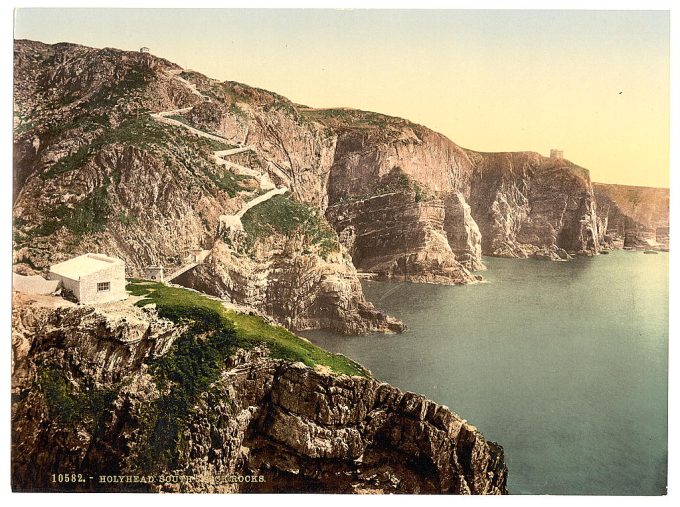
96,350
462,232
307,431
106,343
529,205
636,217
299,290
397,172
287,425
398,238
370,146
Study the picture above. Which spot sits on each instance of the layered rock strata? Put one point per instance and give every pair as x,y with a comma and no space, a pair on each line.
529,205
521,204
397,238
462,232
296,428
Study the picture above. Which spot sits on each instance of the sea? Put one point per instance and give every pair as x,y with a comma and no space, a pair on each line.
564,364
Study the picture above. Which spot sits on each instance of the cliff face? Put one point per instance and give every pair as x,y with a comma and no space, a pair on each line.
294,152
298,288
503,204
634,216
82,393
529,205
398,172
463,232
396,237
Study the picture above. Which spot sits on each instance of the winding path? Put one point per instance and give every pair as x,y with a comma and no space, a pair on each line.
227,222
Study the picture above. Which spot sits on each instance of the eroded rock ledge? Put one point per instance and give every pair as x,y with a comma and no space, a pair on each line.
301,429
308,431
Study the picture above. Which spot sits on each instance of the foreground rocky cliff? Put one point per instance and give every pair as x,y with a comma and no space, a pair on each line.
94,393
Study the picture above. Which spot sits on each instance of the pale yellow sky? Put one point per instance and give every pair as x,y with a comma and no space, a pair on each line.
592,83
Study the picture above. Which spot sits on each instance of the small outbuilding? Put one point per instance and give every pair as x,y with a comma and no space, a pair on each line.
558,154
154,273
92,278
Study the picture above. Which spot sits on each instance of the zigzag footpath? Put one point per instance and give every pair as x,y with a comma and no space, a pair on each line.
232,222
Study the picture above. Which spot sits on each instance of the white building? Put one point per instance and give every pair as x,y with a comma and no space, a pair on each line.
93,278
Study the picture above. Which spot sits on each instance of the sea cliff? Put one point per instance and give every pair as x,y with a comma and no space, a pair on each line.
88,385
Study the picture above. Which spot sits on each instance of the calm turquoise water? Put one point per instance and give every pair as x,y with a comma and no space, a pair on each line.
564,364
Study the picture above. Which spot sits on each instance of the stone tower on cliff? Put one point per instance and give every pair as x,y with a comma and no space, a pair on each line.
559,154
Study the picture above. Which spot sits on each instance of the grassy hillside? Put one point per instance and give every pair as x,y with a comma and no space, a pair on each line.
248,330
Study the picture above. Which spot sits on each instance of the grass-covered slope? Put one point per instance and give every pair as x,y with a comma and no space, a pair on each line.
183,305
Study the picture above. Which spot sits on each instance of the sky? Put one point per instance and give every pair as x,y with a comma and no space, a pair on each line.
594,84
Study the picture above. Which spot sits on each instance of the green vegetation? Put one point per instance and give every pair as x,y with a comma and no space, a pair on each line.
19,222
236,92
232,92
65,100
179,118
86,122
384,128
28,262
249,329
283,104
351,117
395,181
230,183
127,218
285,216
213,95
215,145
70,406
182,119
136,78
26,122
198,357
142,132
69,162
235,110
89,216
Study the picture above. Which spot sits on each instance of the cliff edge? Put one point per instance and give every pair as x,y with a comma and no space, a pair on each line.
104,393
